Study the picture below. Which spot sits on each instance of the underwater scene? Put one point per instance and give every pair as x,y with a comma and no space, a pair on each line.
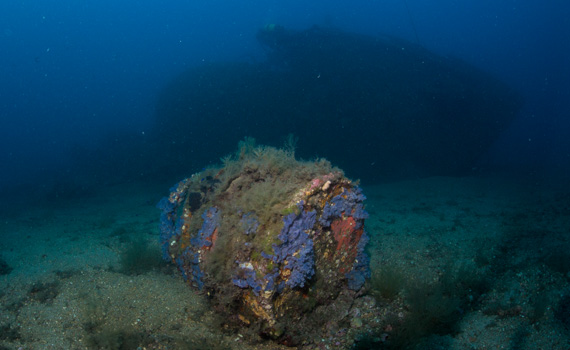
270,176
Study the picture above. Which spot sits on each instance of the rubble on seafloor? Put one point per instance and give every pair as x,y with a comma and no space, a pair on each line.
276,244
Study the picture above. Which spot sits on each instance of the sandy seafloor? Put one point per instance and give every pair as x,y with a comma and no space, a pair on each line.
67,288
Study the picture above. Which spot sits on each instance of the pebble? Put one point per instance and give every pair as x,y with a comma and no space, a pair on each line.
356,322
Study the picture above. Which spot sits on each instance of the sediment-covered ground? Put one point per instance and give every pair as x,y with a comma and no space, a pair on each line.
460,263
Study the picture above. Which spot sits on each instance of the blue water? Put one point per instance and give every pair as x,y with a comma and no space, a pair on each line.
455,116
78,77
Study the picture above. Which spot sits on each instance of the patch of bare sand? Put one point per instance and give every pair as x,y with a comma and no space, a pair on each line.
487,247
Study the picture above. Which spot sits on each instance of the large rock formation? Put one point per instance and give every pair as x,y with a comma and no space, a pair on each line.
378,107
277,244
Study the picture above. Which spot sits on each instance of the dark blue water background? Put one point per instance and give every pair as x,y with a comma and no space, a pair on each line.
75,73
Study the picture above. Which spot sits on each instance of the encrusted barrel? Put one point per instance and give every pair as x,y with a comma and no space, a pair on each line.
277,244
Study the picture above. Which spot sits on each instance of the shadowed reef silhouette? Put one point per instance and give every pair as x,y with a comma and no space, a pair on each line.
380,108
